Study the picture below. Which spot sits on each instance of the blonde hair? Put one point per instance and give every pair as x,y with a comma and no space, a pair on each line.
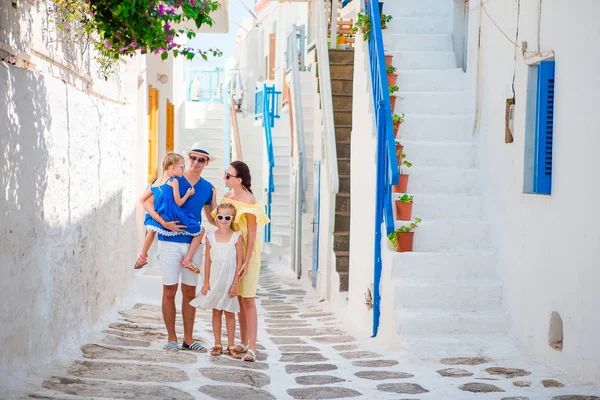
171,159
227,206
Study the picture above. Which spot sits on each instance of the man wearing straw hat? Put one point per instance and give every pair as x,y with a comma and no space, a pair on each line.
172,249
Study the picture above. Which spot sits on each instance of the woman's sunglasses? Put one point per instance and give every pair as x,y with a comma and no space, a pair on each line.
225,217
228,175
201,160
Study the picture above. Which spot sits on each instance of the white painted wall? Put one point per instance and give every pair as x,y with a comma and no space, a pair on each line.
548,246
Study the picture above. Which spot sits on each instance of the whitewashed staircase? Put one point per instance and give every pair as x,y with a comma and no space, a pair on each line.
446,290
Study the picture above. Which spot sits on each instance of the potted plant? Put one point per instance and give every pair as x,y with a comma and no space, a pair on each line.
402,238
393,89
363,24
402,185
392,76
404,207
388,60
399,152
397,119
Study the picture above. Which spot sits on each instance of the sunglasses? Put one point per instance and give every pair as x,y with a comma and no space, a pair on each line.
182,166
201,160
225,217
228,175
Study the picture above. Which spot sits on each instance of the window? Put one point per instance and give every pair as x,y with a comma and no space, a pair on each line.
539,129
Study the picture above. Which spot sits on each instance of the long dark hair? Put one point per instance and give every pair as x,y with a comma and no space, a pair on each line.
243,172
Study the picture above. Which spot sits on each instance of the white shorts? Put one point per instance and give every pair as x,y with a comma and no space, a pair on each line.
170,255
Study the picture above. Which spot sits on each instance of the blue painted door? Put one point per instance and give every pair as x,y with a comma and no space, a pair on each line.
316,218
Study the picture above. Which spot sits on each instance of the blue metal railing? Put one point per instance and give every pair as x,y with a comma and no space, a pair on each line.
387,167
206,85
267,100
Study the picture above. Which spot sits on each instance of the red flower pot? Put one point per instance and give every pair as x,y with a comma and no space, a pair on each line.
402,185
393,103
399,149
396,128
404,241
392,79
403,211
388,60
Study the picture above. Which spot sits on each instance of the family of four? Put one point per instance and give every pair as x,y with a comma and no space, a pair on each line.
174,204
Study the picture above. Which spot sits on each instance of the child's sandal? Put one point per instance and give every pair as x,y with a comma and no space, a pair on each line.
141,261
233,354
216,350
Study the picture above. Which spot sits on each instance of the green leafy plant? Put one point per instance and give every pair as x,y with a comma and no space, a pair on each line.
392,237
398,118
122,28
406,163
393,89
390,70
406,198
363,24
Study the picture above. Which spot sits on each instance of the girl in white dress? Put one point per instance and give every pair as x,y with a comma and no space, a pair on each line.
221,276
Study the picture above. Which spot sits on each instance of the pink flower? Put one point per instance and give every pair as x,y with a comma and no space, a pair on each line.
171,11
151,4
122,49
161,9
133,44
167,27
170,39
107,44
193,3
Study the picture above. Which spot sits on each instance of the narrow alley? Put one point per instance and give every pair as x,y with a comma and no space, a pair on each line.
304,353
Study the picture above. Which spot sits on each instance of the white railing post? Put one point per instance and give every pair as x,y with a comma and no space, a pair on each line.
334,23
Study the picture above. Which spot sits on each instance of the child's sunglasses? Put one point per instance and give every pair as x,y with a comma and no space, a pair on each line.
226,217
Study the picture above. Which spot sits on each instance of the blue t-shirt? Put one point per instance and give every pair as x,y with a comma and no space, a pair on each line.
194,204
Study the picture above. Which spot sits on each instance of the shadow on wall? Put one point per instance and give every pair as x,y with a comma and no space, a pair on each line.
61,258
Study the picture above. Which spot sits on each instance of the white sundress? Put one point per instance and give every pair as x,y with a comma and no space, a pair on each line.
222,271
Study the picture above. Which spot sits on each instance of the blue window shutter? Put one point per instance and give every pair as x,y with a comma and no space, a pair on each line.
544,128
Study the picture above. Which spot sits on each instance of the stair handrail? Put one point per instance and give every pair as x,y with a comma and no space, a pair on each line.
326,96
387,166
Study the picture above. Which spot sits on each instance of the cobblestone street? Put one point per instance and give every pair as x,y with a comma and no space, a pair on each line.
304,353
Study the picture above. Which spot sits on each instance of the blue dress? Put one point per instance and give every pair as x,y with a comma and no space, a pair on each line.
165,205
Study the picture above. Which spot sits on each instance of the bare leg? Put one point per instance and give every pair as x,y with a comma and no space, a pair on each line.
217,321
192,250
242,321
147,243
188,312
251,321
168,310
230,324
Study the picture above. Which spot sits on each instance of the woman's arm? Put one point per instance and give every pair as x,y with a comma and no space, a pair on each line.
239,259
170,225
252,228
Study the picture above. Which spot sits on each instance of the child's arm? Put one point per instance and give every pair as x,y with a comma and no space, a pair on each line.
239,255
174,183
207,262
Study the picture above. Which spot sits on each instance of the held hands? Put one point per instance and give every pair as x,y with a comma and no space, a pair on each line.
206,288
233,290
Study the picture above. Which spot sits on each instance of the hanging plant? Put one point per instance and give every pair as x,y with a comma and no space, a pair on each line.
363,24
122,28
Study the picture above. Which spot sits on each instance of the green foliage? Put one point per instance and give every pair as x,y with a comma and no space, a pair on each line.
406,198
393,89
406,163
363,24
390,70
398,118
122,28
392,237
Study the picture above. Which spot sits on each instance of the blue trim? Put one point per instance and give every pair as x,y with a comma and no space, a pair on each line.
544,124
213,78
316,220
388,173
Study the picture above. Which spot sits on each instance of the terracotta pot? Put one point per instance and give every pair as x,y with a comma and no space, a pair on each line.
388,60
392,79
402,185
393,103
396,128
403,211
404,241
399,156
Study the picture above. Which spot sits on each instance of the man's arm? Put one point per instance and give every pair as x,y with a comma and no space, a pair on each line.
171,225
207,212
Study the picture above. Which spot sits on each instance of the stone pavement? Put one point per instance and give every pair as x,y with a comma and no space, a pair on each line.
303,354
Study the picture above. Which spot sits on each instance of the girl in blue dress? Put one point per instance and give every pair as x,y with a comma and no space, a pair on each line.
168,202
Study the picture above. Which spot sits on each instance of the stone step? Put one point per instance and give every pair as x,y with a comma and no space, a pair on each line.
195,122
342,148
342,202
342,117
423,60
342,102
341,241
343,166
440,236
344,281
343,132
431,80
420,25
444,267
283,161
440,154
434,322
476,296
434,103
417,42
341,56
419,8
342,221
341,71
344,183
437,128
342,86
423,180
447,207
342,263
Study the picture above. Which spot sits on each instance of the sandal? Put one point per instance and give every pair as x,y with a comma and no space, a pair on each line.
191,266
233,354
216,350
240,348
250,356
141,261
193,347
